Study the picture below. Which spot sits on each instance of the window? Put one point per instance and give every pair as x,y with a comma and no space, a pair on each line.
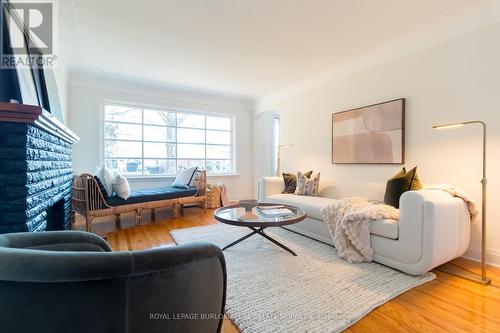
141,141
276,140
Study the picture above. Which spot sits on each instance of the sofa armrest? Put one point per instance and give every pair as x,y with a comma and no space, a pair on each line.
434,227
55,241
268,186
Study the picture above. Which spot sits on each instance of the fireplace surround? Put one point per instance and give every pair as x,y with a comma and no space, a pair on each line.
36,170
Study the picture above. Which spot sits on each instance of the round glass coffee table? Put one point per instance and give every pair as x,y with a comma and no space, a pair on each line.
260,218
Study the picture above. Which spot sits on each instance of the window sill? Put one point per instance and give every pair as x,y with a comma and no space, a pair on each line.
141,178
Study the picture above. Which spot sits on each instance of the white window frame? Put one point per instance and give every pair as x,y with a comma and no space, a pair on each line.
276,141
172,110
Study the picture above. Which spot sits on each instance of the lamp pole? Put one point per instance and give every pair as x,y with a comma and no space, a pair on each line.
484,279
484,182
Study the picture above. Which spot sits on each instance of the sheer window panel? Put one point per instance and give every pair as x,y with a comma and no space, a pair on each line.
130,167
117,131
188,135
190,120
219,166
159,133
191,163
219,123
218,137
192,151
123,149
125,114
218,152
159,117
159,150
159,167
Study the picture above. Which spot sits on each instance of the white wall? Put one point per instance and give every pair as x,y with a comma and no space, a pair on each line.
454,81
88,91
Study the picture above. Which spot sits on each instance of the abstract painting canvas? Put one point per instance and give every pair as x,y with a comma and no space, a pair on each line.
372,134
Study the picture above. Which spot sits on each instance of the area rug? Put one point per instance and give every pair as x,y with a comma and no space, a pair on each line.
270,290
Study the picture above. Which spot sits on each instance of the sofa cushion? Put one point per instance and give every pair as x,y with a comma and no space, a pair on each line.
313,206
385,228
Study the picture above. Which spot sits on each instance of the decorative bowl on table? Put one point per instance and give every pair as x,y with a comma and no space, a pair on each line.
248,204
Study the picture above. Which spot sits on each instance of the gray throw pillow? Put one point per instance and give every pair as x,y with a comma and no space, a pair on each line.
291,181
307,186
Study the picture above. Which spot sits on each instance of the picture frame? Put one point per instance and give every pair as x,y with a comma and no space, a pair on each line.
373,134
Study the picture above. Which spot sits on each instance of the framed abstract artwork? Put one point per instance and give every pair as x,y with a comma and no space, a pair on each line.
371,134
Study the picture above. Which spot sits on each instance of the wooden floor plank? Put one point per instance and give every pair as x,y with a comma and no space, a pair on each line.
447,304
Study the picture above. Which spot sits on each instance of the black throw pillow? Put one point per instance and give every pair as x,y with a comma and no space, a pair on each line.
400,183
290,180
101,187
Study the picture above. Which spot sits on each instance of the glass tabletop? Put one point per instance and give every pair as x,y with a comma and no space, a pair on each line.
263,214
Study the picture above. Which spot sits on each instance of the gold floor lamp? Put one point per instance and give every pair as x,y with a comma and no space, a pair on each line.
483,279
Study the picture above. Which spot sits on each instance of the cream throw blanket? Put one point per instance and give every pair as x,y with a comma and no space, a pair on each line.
349,222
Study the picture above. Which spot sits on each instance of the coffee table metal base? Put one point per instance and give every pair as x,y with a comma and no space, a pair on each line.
259,231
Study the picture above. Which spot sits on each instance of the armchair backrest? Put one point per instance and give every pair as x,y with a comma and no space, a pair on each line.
69,281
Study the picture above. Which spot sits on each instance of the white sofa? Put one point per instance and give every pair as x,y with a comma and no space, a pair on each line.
434,226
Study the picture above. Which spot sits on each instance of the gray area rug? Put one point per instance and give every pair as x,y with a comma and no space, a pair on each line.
269,290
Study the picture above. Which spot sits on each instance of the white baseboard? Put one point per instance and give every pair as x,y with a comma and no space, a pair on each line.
492,256
243,197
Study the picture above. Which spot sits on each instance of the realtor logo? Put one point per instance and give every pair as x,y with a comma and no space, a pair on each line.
28,33
30,26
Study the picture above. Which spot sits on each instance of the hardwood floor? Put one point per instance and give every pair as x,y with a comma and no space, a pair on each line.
447,304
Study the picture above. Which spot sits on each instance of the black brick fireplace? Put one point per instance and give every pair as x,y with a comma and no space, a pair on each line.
35,170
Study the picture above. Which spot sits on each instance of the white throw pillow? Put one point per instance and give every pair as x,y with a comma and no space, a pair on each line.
106,177
184,177
121,186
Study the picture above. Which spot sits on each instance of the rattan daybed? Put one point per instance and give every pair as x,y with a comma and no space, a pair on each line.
89,201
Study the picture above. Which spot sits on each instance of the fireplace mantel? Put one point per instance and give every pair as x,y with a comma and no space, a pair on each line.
29,114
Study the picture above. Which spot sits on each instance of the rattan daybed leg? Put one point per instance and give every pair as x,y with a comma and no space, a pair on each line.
138,215
204,204
118,221
88,224
153,215
176,211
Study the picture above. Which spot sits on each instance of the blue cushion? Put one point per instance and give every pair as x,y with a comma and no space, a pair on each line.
155,194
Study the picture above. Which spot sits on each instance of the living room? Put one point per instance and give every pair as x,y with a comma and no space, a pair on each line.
249,166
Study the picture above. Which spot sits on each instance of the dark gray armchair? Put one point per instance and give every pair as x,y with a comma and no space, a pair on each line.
70,281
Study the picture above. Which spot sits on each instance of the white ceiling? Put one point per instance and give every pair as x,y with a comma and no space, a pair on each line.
239,47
